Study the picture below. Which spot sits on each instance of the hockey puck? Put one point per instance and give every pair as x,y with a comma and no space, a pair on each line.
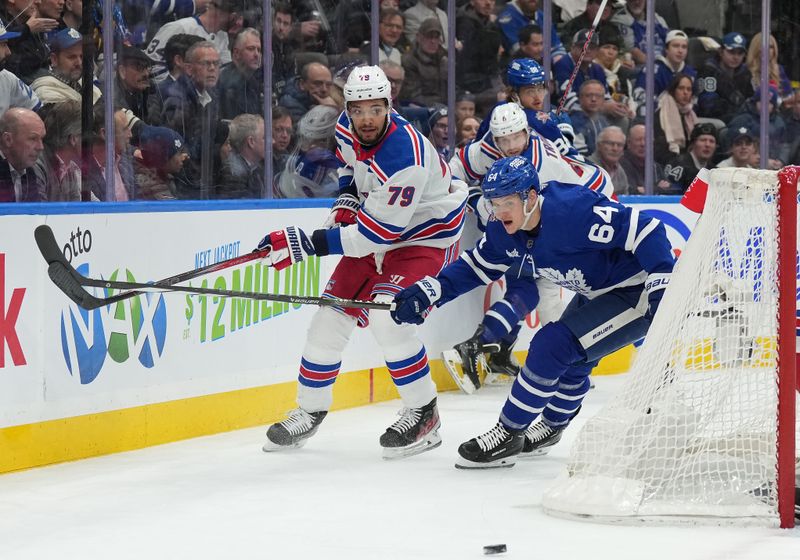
494,549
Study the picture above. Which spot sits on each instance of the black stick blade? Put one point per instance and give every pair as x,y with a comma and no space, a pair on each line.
62,276
48,246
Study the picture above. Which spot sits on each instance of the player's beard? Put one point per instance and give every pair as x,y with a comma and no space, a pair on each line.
378,138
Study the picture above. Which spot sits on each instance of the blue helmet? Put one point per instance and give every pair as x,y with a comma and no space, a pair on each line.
525,72
512,175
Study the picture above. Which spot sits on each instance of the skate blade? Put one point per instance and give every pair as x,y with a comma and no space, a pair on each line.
504,463
453,365
535,453
270,446
431,441
494,379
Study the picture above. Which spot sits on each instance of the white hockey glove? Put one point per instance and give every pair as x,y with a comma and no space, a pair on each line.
343,211
655,285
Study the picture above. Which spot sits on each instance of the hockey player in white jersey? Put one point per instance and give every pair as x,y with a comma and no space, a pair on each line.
618,262
401,215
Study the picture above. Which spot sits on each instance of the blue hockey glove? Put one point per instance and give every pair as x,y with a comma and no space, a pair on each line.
655,285
412,304
286,247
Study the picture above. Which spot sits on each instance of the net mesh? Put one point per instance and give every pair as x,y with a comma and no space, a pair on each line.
693,431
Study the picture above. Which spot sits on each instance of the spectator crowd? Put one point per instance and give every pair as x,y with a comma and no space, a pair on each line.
188,98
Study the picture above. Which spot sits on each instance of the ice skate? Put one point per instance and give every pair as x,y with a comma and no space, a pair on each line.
293,432
415,432
496,448
539,438
501,366
464,361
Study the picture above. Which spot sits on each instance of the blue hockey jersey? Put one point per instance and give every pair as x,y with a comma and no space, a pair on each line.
584,242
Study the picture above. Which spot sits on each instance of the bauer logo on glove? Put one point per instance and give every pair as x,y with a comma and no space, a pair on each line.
287,247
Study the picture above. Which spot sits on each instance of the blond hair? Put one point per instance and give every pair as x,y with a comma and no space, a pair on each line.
754,60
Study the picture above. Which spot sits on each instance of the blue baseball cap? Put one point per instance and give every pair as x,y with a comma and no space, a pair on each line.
65,39
5,34
734,40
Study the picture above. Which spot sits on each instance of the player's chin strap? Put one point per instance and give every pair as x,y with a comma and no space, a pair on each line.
529,213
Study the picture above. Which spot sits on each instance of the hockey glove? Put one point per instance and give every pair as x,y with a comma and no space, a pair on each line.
286,247
343,211
412,304
655,285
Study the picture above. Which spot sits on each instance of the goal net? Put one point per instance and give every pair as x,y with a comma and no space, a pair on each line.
704,426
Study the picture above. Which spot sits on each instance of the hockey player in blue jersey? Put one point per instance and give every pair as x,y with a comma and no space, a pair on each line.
398,219
618,262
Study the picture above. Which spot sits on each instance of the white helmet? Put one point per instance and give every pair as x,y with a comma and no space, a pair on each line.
318,124
507,119
367,82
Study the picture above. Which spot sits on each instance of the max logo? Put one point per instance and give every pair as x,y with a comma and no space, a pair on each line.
8,320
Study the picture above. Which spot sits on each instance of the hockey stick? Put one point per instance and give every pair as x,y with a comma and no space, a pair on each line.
580,58
72,283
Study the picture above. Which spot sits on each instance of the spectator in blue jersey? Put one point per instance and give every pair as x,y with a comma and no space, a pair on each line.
673,61
674,119
682,169
724,82
750,117
241,85
516,15
589,70
587,117
477,64
632,25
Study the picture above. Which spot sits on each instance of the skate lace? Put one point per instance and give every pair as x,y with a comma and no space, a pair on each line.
492,438
299,421
408,419
538,431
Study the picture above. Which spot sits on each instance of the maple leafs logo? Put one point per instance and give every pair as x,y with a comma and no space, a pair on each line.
574,279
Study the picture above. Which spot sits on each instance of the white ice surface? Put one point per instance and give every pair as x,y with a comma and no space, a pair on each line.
221,497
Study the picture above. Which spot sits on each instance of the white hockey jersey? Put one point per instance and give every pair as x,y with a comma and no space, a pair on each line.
190,26
407,193
14,93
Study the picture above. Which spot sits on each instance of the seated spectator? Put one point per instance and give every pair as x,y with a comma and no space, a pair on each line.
674,119
631,20
426,67
58,167
749,117
311,170
163,155
633,163
743,148
211,25
241,87
175,60
312,87
477,64
396,75
465,105
284,67
13,91
587,118
466,130
724,82
585,19
682,169
390,31
242,175
133,88
531,43
610,146
621,107
776,72
516,15
192,110
589,70
282,131
438,135
673,61
122,183
419,12
34,21
62,82
21,136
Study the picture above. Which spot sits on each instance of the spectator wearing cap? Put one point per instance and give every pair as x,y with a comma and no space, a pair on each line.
631,21
682,169
312,87
242,175
519,13
633,162
122,180
589,70
192,110
585,19
724,82
530,43
390,32
419,12
21,135
211,25
749,117
587,116
30,54
666,66
13,91
58,167
133,87
674,119
163,154
426,67
743,148
241,87
477,66
438,135
619,77
62,81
